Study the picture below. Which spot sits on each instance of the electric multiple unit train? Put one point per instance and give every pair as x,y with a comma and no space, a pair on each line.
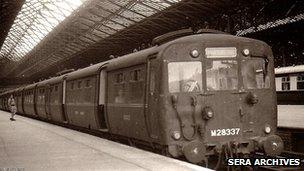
192,95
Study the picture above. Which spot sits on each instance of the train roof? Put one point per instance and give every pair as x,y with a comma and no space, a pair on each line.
53,80
91,70
141,56
120,62
8,92
132,58
30,86
19,89
211,37
289,70
257,47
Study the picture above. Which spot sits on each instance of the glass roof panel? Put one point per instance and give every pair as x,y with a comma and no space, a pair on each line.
99,19
132,16
99,33
34,21
114,25
122,21
143,10
156,5
120,3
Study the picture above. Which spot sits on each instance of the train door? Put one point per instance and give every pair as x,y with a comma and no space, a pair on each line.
101,101
47,102
153,90
63,106
34,104
22,101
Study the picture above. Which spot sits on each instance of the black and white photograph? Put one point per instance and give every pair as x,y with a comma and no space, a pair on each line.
151,85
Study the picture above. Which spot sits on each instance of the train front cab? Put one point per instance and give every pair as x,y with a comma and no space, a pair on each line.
219,95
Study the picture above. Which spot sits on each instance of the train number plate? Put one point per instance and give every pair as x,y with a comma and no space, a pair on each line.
225,132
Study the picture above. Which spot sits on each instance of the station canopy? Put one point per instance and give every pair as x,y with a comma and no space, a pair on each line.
39,17
49,30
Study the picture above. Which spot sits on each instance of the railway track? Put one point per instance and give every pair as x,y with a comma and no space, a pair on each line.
293,154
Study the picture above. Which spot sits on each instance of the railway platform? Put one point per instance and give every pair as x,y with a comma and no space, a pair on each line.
28,144
291,116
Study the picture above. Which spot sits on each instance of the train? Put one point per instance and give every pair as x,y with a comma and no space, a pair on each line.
193,95
290,84
290,93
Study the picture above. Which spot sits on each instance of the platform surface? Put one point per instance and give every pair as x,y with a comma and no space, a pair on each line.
291,116
28,144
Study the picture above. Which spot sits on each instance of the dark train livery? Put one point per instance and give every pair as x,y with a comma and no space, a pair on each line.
195,96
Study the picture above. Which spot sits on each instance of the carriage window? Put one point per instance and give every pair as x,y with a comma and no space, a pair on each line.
221,75
135,75
88,83
185,76
56,88
285,83
300,82
72,86
254,74
79,84
119,78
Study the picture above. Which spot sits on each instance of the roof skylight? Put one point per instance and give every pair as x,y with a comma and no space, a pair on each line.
34,21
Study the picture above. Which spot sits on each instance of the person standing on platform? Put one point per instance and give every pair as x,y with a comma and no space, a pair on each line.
13,108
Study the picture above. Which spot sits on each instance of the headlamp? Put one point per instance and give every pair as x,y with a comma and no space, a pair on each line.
194,53
246,52
267,129
176,135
